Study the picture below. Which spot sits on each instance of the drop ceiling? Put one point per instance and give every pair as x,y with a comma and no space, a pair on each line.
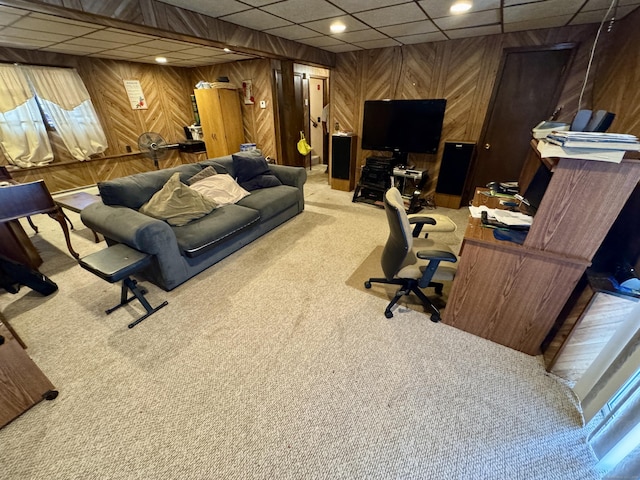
369,24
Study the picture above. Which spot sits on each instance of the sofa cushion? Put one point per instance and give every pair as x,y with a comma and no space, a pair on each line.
207,232
135,190
271,201
221,189
177,203
261,181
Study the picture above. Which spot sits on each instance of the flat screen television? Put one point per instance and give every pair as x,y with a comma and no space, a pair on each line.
403,126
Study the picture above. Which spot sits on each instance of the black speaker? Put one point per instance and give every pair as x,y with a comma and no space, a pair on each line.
456,159
341,156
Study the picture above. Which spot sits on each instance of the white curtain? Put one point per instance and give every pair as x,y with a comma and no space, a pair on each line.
65,99
23,136
609,392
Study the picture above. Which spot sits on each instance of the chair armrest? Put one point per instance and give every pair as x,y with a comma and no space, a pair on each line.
419,221
441,255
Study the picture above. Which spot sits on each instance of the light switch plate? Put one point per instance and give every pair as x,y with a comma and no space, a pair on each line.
263,104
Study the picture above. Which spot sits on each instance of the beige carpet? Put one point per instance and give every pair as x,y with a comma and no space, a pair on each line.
268,366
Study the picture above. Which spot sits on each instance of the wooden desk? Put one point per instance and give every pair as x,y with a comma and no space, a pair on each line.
23,200
511,294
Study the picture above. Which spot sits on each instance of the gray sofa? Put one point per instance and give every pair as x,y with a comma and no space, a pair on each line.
182,252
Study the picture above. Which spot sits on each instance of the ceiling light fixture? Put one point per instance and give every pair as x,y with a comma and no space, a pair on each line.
460,7
338,28
161,60
227,50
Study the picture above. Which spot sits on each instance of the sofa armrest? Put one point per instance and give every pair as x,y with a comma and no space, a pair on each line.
294,176
139,231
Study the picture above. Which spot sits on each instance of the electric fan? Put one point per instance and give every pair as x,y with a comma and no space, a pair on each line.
154,146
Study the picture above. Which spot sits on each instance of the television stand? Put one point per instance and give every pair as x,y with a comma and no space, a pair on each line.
374,180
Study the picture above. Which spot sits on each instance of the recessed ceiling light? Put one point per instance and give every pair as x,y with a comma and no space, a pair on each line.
161,60
338,28
460,7
227,50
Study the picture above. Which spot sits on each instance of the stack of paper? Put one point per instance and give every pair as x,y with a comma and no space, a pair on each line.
598,140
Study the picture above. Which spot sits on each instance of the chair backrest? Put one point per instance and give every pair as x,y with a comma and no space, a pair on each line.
397,251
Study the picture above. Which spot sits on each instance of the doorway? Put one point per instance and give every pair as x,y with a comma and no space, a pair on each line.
527,89
316,104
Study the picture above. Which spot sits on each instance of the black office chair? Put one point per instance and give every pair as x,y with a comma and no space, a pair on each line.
402,265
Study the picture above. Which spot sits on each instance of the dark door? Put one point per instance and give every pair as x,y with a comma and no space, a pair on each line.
526,92
291,115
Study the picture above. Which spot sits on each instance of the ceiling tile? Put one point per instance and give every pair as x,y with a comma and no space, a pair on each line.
256,19
120,54
11,10
324,26
321,41
259,3
292,32
596,16
352,6
74,49
474,31
422,38
8,18
26,43
139,50
534,24
206,51
92,42
382,43
40,25
604,4
168,45
471,20
413,28
45,36
345,47
441,9
300,11
548,8
359,36
216,8
68,21
407,12
121,36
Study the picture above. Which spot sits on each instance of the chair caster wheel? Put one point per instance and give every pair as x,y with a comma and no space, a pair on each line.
438,290
435,318
50,394
388,314
367,284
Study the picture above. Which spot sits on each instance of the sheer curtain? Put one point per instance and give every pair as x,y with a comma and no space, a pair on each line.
23,136
65,99
609,392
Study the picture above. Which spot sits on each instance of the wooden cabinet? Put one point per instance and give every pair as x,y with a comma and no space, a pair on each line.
512,294
221,120
23,384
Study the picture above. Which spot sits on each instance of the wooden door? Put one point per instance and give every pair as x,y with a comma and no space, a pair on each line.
291,114
526,92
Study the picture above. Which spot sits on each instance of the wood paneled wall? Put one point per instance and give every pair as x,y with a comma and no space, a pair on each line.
617,81
462,71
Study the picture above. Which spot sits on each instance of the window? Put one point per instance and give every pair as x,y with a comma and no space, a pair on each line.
34,98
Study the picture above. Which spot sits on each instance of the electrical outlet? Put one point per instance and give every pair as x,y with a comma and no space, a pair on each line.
263,104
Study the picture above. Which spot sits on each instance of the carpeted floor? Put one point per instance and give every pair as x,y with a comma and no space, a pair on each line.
269,366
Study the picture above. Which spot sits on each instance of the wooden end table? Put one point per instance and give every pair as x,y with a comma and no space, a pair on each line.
76,202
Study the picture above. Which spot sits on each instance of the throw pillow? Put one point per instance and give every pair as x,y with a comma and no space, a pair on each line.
221,189
206,172
247,167
177,203
261,181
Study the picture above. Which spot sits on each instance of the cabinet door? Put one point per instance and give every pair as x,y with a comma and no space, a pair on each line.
232,119
23,384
